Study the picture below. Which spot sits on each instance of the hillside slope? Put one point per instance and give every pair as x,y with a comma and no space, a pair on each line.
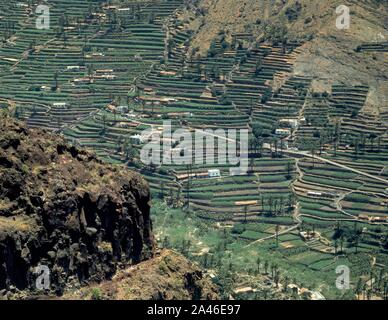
327,53
63,209
169,276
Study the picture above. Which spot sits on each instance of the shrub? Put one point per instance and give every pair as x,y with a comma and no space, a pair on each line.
293,11
96,294
238,229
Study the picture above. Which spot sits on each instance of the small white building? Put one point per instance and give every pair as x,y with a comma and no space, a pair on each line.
59,104
283,132
136,139
144,137
314,194
104,70
214,173
22,5
83,81
292,122
123,109
73,68
109,76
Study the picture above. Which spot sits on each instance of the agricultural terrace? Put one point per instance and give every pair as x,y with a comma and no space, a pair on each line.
317,184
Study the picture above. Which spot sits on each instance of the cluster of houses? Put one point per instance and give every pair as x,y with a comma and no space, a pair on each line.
105,74
366,217
287,125
211,173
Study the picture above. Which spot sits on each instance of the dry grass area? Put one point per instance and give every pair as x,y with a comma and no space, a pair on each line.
17,223
167,276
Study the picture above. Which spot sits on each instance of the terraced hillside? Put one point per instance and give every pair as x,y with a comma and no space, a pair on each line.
86,60
317,179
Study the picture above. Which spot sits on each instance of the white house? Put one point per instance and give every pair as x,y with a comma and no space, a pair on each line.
109,76
292,122
59,104
283,132
214,173
73,68
314,194
122,109
136,139
83,81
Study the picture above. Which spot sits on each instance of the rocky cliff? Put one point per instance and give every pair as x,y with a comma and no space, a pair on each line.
62,208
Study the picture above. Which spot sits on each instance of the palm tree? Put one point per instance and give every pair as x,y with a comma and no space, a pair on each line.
56,81
372,138
313,152
342,243
358,288
355,243
277,228
265,267
270,203
258,264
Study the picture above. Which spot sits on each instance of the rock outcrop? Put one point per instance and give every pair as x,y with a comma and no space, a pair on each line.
62,208
168,276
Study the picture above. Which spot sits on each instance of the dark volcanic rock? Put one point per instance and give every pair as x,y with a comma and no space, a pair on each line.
63,208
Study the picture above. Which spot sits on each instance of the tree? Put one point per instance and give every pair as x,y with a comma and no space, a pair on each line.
356,241
265,267
213,49
55,88
285,284
64,40
277,228
372,138
188,186
342,243
270,204
313,153
358,289
151,18
259,66
251,164
161,192
245,213
379,144
103,123
291,201
289,170
166,242
90,70
258,261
